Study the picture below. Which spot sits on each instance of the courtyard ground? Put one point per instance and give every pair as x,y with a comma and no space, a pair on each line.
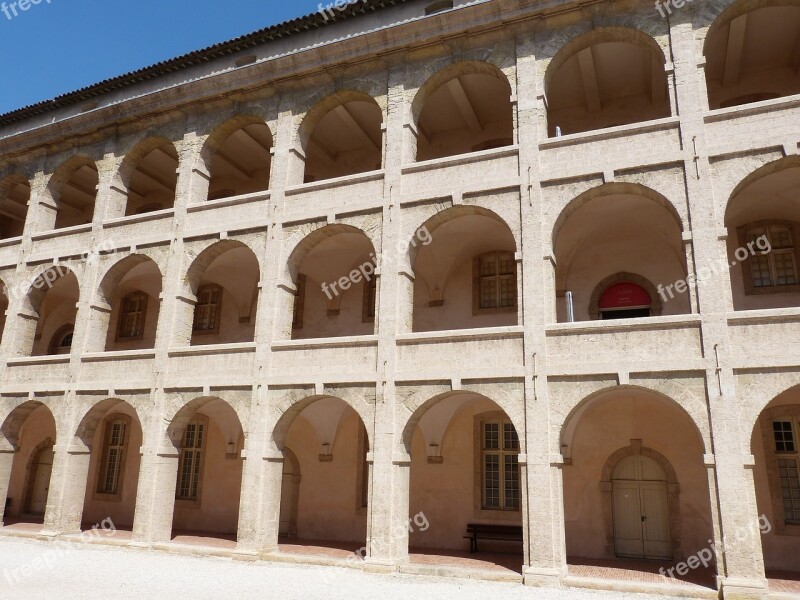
35,570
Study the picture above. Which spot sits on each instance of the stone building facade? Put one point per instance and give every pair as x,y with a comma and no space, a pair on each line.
486,262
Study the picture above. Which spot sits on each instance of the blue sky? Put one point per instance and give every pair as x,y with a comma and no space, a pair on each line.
59,47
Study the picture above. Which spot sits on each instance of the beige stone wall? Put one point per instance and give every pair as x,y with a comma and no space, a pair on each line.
648,198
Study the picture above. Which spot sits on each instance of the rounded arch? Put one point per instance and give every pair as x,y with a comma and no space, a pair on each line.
433,222
771,168
15,193
326,104
64,171
737,9
636,449
117,271
132,159
299,251
573,418
763,33
91,420
43,282
223,131
297,405
610,189
184,414
581,41
15,419
451,71
410,426
656,306
208,255
628,81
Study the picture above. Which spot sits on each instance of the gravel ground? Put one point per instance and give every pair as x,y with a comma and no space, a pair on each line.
33,570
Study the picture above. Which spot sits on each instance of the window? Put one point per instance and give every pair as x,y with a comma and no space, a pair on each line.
131,319
115,440
207,310
190,468
299,302
61,342
784,432
775,271
495,283
370,299
437,7
500,465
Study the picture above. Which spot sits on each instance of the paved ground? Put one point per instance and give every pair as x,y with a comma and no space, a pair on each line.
33,570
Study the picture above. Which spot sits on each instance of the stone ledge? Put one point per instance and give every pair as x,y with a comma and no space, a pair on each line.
460,159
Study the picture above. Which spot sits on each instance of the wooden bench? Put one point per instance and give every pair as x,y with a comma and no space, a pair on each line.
505,533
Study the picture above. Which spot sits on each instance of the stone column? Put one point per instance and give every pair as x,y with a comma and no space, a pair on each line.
259,518
740,571
64,510
545,561
155,497
6,463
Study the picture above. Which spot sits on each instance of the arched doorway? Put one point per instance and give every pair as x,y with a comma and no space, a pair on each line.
640,509
41,468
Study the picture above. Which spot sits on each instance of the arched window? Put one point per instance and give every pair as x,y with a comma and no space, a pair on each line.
625,300
494,283
500,465
61,342
207,310
775,270
115,441
132,316
190,470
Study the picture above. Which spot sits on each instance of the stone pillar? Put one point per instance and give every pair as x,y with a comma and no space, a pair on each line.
6,463
259,516
740,571
155,497
388,509
67,490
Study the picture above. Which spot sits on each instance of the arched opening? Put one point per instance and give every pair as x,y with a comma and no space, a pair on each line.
625,300
238,157
15,193
125,316
775,444
333,270
209,438
73,188
113,432
52,305
325,439
342,136
464,108
465,271
763,226
605,78
751,53
635,483
26,463
640,509
619,235
224,279
464,471
150,176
